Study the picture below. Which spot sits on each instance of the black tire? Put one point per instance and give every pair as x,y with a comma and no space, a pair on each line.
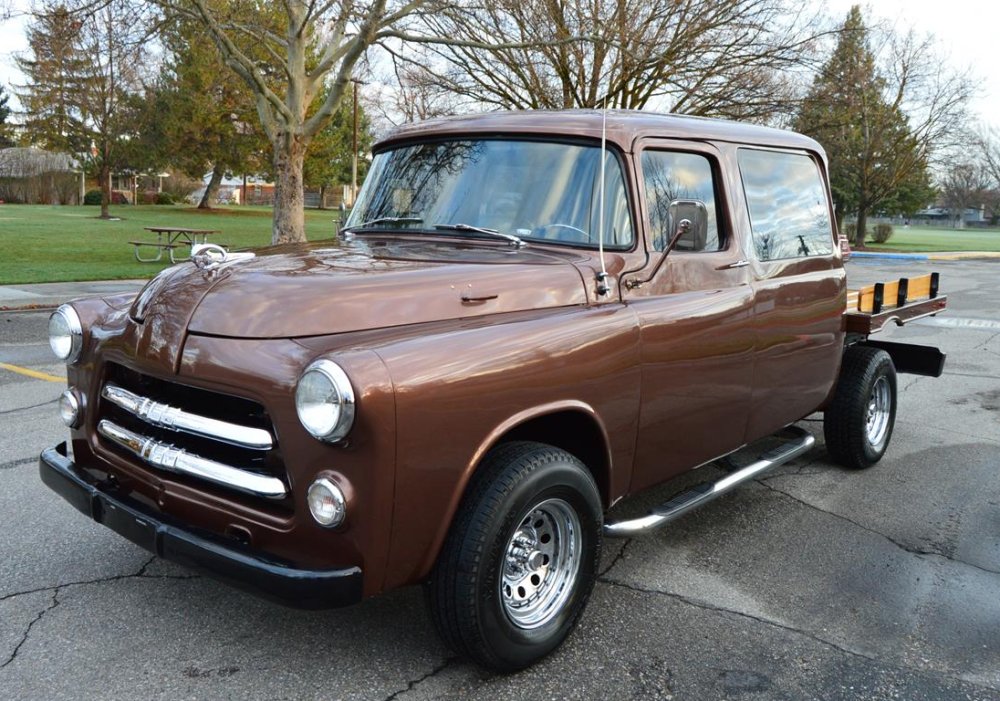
858,422
470,590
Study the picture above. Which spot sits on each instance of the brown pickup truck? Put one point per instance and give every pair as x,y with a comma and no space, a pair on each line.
527,318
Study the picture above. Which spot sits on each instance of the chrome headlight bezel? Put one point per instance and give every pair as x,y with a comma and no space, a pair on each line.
324,401
66,334
327,504
71,408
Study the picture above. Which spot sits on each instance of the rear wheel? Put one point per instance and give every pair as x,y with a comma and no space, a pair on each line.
520,561
859,421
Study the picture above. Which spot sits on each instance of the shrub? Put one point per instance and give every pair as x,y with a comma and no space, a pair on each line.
883,232
164,198
848,230
92,197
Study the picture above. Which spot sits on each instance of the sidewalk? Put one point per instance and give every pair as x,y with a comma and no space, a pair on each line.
48,295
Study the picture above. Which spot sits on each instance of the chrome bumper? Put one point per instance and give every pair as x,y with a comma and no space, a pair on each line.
245,567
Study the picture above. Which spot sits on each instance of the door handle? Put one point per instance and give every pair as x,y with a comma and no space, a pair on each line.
737,264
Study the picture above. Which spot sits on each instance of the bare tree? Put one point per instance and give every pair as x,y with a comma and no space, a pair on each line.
288,53
988,141
965,187
112,37
703,57
416,97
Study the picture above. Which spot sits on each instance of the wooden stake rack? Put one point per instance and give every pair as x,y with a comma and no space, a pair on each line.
899,301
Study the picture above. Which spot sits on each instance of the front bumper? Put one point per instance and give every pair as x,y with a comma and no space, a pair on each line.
244,567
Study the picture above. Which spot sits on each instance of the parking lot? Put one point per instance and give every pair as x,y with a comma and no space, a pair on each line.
812,582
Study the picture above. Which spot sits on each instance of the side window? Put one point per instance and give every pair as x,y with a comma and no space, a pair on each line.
674,175
789,216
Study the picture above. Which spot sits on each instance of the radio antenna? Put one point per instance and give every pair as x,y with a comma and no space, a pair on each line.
602,277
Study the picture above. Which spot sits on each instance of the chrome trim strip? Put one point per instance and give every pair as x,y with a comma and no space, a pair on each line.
800,443
166,416
171,459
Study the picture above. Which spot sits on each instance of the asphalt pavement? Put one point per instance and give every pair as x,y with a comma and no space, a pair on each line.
814,582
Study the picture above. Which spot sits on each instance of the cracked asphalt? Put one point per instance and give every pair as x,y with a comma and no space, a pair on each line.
813,582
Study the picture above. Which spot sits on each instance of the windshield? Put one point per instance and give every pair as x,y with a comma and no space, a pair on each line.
531,189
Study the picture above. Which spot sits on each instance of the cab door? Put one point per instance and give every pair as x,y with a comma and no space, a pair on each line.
695,315
798,282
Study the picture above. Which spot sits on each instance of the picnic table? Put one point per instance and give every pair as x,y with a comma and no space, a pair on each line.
169,239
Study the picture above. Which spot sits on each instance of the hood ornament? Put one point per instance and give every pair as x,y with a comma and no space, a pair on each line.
209,256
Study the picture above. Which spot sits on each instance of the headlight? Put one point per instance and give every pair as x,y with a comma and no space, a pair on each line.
65,334
324,401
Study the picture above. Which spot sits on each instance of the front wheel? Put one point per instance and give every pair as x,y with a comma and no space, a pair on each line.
521,558
858,423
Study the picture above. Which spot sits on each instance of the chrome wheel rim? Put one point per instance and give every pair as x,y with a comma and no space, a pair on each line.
877,413
540,564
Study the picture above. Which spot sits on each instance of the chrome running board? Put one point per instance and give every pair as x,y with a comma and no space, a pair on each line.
800,442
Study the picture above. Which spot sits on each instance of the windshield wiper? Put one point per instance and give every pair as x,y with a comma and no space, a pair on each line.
384,220
515,240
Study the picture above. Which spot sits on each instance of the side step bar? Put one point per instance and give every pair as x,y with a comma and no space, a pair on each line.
800,442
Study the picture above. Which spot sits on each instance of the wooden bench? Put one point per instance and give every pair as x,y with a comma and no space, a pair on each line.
160,247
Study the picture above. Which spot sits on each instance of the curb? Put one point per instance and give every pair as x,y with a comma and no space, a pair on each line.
954,255
889,256
965,255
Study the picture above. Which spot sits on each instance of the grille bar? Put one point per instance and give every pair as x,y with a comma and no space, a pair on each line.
171,459
166,416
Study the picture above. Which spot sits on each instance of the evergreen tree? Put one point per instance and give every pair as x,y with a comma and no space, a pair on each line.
54,66
200,118
6,139
876,160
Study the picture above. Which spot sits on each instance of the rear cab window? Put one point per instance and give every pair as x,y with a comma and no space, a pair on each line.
787,204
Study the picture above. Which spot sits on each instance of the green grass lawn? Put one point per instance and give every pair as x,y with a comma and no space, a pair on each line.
921,239
57,244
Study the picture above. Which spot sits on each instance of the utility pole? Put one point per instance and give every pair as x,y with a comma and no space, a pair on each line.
354,148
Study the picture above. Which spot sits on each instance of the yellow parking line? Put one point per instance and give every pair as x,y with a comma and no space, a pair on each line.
32,373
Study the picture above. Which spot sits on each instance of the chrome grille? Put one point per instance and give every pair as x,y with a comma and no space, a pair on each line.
228,441
177,419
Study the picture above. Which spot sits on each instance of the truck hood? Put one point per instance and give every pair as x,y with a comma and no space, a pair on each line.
319,289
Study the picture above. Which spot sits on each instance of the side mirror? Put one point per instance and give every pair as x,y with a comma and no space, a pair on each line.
687,222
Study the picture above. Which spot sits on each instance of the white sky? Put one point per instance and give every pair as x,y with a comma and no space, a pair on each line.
965,31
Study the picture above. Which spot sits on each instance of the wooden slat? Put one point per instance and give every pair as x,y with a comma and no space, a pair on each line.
920,287
863,300
866,298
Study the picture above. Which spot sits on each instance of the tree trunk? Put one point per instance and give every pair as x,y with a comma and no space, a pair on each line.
104,176
322,197
862,226
212,189
288,225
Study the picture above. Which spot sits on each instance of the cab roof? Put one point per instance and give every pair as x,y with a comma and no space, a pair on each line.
624,127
